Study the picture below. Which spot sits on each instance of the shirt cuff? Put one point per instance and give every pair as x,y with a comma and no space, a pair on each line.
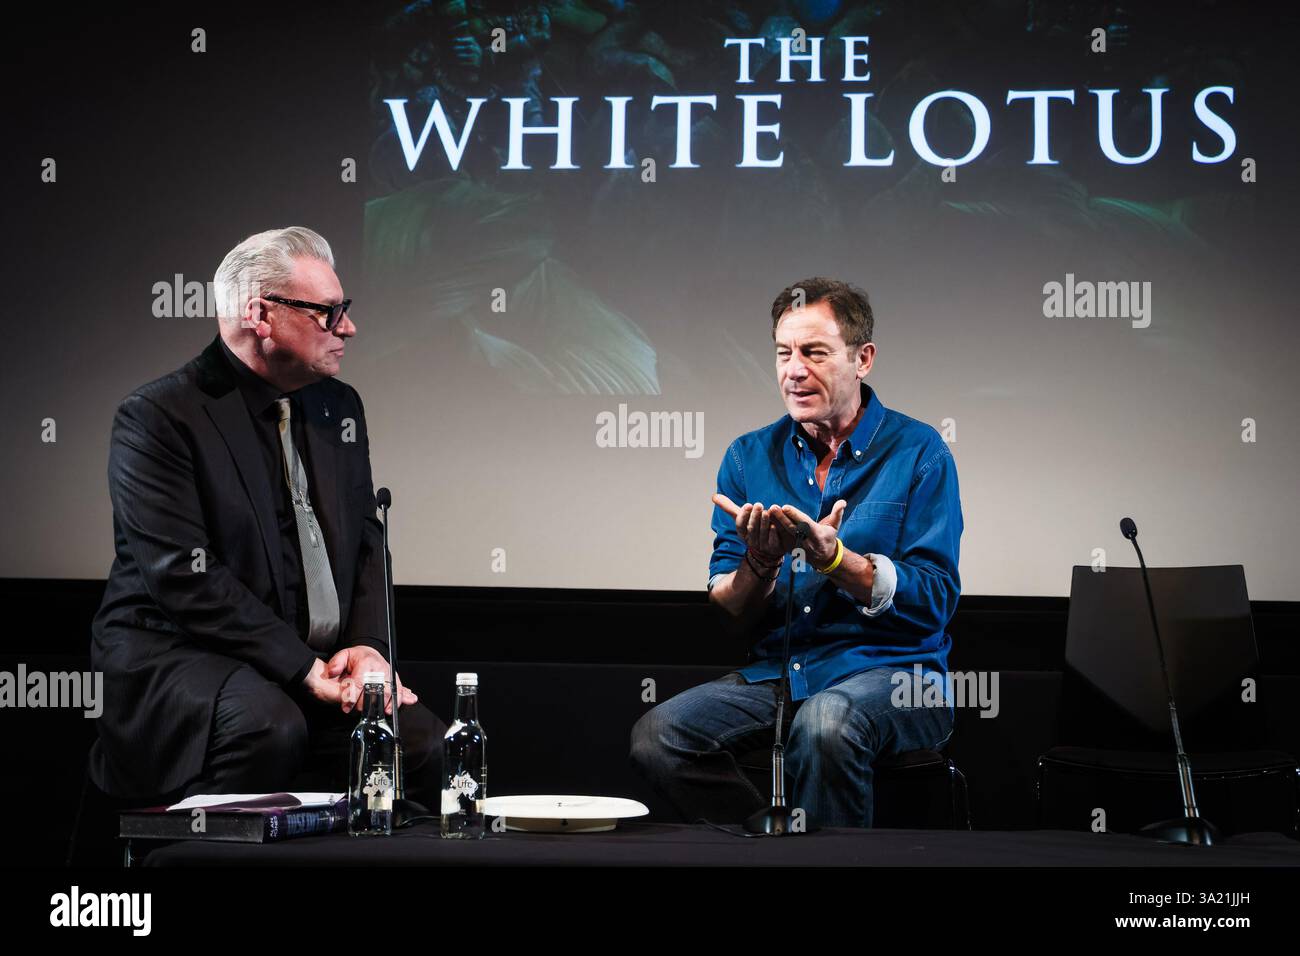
883,584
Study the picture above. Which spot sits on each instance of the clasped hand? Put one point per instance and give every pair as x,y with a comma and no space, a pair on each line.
339,680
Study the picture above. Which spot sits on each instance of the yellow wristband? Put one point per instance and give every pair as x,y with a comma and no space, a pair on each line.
839,556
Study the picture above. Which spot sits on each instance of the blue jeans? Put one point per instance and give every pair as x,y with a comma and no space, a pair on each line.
686,747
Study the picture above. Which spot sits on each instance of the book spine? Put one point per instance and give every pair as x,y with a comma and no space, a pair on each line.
284,824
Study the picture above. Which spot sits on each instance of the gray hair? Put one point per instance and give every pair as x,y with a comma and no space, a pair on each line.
263,262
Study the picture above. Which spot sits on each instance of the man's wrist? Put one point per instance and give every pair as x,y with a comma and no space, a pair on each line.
828,564
372,644
765,567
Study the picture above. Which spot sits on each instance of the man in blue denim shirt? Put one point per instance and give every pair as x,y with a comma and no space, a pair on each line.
875,583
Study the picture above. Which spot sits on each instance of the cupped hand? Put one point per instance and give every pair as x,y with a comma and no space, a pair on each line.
767,536
820,545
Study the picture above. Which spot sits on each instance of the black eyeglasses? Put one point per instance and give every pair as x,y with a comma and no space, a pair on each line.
333,313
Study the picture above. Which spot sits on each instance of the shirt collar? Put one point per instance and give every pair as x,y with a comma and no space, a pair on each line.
259,394
861,436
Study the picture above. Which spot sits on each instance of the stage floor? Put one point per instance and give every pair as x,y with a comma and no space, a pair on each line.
658,844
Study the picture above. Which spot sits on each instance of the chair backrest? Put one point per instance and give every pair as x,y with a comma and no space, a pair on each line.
1113,694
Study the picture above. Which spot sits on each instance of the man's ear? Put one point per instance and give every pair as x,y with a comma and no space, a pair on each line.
257,318
866,357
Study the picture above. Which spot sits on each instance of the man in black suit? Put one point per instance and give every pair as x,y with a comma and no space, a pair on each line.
246,599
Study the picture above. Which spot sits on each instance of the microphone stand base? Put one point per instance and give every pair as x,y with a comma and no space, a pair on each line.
1193,831
405,810
774,821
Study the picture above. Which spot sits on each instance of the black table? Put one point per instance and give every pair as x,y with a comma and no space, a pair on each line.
658,844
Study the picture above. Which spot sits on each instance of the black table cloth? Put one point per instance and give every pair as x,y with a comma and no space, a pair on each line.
657,844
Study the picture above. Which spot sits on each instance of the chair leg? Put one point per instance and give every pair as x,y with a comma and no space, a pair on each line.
952,795
94,841
71,856
1038,795
960,807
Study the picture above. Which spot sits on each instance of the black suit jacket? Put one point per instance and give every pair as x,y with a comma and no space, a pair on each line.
185,473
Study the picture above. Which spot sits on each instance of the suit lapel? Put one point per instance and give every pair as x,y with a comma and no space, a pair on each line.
230,415
225,406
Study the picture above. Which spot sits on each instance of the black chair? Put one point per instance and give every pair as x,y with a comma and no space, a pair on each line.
1237,792
94,841
1115,752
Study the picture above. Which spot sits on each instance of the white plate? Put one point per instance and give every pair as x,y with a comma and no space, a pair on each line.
562,813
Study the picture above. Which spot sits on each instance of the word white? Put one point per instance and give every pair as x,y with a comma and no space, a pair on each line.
1102,300
932,689
651,430
60,689
103,909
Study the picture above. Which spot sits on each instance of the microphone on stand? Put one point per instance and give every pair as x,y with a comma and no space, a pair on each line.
775,820
405,811
1191,828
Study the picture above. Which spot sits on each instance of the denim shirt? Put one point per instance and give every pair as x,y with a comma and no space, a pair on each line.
904,513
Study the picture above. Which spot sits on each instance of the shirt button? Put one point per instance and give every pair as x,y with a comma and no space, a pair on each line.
807,609
796,666
810,481
857,454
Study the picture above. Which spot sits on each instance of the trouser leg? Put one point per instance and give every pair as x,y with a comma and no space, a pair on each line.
839,733
258,739
686,747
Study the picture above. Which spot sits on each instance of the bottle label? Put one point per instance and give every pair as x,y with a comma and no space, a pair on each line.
379,790
462,784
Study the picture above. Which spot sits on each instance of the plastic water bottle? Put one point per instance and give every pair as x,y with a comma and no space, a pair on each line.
372,770
464,762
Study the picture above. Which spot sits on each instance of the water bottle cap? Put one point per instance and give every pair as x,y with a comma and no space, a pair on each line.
373,677
467,679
